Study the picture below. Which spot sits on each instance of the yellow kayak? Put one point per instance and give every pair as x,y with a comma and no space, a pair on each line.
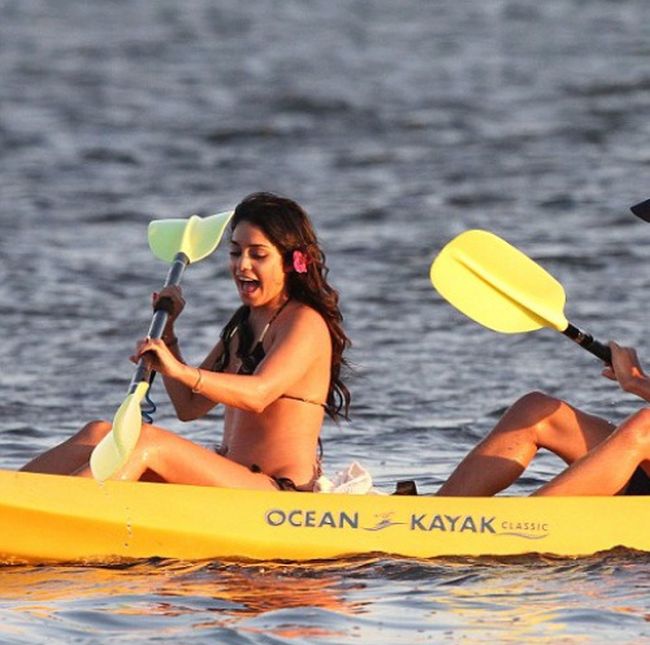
47,518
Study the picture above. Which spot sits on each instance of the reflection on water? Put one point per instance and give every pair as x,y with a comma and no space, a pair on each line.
203,596
531,599
542,600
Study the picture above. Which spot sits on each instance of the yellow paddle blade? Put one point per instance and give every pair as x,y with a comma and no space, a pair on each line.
105,459
127,421
498,286
197,237
114,450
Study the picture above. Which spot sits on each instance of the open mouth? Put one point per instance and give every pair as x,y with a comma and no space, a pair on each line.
247,285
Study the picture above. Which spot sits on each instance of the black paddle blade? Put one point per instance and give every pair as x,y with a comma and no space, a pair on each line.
642,210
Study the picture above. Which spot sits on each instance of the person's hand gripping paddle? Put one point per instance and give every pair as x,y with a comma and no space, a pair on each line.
179,242
496,285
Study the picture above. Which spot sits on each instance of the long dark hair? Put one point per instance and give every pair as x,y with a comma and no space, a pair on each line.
288,227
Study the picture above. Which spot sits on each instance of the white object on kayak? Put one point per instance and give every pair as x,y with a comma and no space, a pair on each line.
354,480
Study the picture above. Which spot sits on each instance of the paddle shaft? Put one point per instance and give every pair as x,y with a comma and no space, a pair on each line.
641,210
160,316
587,342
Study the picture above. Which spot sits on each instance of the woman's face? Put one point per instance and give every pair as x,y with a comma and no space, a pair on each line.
256,266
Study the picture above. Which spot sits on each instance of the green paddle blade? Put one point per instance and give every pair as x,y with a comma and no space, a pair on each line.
498,286
196,237
105,459
114,450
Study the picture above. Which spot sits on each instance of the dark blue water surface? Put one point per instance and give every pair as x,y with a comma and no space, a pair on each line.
398,125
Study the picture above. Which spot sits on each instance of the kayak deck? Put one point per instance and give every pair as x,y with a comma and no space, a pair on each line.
47,518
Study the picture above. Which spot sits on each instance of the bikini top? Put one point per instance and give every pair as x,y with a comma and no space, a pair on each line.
252,359
249,360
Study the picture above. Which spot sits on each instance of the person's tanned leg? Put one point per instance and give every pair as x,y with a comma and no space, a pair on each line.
535,421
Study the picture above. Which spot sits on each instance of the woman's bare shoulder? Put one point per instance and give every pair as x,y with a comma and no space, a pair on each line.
305,316
304,322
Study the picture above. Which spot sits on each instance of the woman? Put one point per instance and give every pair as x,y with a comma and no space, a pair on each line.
276,368
603,460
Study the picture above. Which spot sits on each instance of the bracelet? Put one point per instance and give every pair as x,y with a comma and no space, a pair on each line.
197,385
171,343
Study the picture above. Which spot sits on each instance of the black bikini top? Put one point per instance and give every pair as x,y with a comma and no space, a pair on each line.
239,325
249,359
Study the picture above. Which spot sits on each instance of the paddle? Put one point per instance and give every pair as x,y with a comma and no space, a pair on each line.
180,242
499,287
642,210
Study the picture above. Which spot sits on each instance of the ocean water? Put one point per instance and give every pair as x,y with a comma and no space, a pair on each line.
397,125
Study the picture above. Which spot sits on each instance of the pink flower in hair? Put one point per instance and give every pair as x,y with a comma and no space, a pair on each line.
300,262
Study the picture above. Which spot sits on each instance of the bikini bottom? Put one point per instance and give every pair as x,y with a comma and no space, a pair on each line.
283,483
639,483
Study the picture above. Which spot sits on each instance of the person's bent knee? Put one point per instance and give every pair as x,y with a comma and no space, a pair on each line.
536,406
95,431
151,435
642,417
637,427
538,401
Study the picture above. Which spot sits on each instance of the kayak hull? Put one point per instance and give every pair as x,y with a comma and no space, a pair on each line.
50,518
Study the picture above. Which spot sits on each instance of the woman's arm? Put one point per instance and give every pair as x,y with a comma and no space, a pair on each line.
187,404
296,343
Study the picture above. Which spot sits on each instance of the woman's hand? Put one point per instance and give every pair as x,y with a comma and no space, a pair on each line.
174,296
157,357
627,370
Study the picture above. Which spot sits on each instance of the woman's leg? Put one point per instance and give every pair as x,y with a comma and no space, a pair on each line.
608,467
535,421
72,454
180,461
